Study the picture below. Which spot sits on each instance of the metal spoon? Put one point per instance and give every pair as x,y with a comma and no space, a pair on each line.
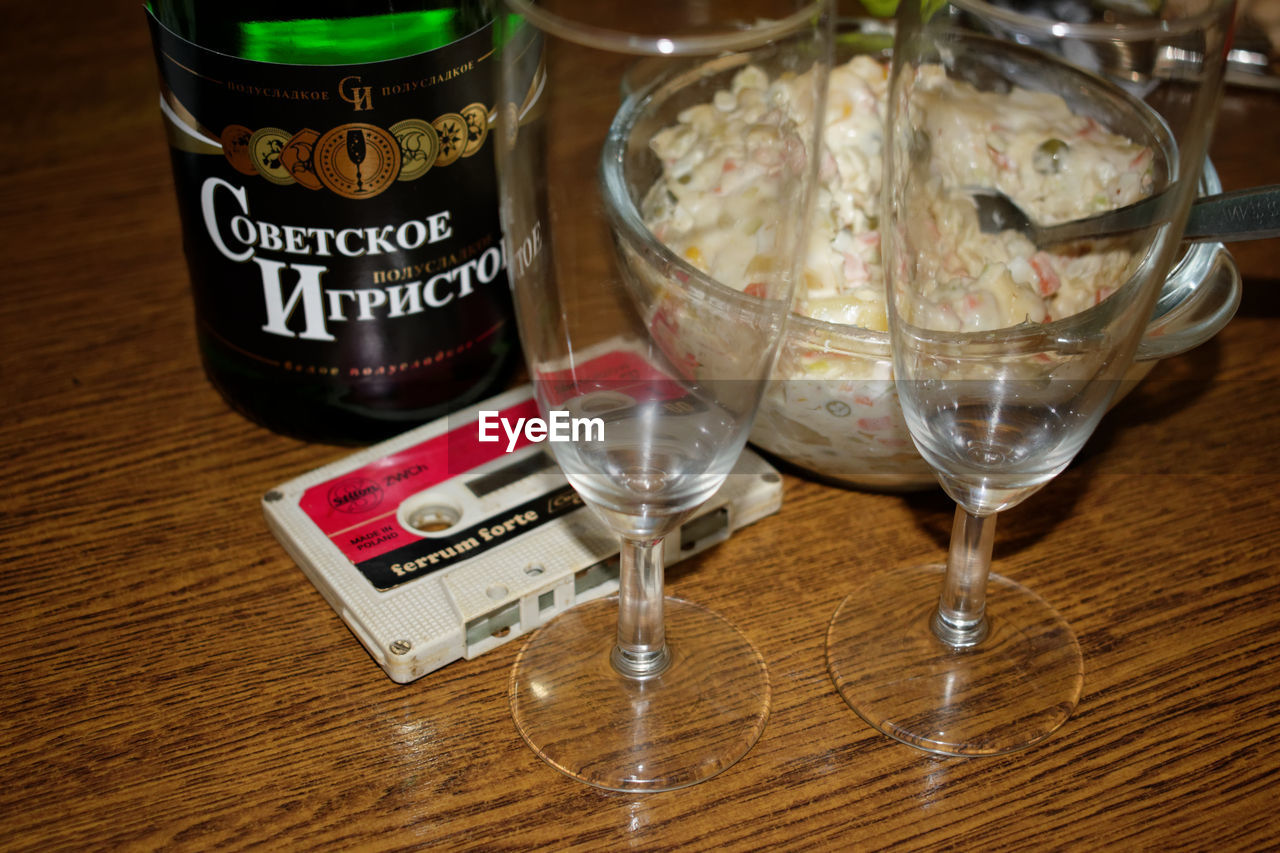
1251,214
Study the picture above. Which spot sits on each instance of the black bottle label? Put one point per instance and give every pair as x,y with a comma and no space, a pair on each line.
340,221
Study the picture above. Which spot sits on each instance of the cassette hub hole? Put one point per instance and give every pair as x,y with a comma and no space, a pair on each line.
434,518
602,402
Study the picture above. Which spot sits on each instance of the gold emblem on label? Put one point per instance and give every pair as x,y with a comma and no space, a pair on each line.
265,147
453,137
235,145
477,119
297,158
357,160
419,147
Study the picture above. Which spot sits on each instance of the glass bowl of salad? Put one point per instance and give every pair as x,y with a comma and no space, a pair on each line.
678,182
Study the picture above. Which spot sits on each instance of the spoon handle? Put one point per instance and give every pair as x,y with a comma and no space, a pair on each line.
1251,214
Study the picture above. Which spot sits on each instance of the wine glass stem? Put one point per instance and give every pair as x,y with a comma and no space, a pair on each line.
641,650
960,620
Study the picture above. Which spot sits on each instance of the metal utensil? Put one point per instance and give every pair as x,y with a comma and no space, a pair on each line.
1250,214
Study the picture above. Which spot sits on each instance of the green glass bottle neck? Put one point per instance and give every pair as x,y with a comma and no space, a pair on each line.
265,33
324,41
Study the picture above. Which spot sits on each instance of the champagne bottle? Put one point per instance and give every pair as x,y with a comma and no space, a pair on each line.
336,186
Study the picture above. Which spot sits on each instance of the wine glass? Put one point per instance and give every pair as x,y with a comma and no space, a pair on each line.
651,321
1007,354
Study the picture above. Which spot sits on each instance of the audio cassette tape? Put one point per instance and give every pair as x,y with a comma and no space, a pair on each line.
435,545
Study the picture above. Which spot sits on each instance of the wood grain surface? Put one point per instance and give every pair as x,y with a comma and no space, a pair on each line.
170,680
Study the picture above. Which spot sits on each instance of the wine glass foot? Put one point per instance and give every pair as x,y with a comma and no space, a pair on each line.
695,719
1010,691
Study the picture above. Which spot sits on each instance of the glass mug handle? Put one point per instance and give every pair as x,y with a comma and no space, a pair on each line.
1216,279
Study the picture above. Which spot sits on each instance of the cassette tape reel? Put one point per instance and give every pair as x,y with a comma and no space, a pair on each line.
435,546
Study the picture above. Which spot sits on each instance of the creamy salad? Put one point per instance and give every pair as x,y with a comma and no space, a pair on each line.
718,162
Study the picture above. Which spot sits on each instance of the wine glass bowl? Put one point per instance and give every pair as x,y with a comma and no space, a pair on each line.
998,405
998,391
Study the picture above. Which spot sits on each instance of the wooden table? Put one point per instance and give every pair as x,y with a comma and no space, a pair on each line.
169,679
